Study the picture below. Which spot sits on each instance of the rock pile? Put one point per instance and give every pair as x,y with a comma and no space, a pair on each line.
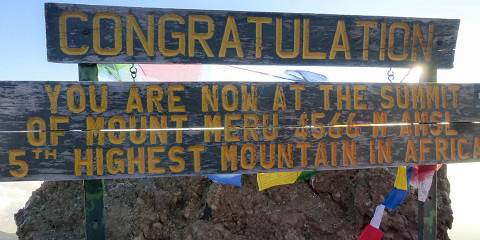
333,205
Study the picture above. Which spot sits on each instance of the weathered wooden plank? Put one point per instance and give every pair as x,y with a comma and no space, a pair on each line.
106,34
49,128
172,137
121,159
321,103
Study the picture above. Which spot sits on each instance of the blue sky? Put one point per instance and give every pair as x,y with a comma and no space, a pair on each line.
23,57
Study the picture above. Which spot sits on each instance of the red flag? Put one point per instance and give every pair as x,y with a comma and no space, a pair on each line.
370,233
423,172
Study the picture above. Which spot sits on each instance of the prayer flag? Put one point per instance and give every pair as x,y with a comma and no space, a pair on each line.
371,233
401,179
227,179
268,180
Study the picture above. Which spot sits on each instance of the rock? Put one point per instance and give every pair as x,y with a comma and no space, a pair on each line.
54,211
333,205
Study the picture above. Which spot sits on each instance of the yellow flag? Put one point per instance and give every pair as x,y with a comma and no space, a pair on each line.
268,180
401,179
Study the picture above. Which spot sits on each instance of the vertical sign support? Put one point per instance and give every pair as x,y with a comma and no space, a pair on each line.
94,221
427,211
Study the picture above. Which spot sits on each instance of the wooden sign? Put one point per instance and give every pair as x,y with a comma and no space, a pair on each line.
106,34
86,130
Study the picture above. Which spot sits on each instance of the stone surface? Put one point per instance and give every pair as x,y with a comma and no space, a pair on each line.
332,205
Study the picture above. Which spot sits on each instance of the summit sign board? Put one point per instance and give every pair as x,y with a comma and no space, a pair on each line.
106,34
97,130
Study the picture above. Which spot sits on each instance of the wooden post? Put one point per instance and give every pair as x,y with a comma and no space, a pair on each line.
427,211
94,221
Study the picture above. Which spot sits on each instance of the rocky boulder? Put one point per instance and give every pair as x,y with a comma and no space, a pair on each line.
332,205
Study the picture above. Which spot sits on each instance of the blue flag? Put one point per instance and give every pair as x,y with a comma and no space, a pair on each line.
394,198
409,173
227,179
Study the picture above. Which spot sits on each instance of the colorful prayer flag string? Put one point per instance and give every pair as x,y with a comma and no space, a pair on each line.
393,199
419,177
